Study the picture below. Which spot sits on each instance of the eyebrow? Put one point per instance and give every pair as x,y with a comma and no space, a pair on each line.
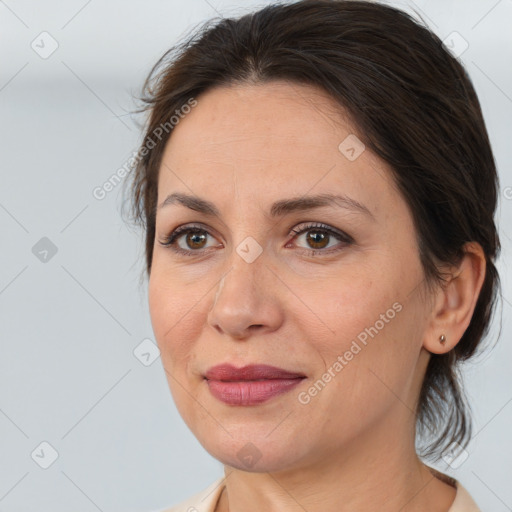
278,209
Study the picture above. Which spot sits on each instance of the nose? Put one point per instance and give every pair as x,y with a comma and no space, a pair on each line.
246,300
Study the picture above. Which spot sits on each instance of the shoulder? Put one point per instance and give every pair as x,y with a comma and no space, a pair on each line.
203,501
463,501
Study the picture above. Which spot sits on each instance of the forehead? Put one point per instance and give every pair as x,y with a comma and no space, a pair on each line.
230,120
260,141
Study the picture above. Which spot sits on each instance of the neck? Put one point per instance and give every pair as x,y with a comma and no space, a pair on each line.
380,471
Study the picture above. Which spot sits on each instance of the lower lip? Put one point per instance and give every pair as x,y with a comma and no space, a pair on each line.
251,392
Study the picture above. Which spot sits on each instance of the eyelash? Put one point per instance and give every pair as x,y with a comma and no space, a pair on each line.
170,240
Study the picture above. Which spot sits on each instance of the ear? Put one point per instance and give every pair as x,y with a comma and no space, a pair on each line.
455,301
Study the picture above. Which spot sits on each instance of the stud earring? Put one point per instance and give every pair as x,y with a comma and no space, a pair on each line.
442,339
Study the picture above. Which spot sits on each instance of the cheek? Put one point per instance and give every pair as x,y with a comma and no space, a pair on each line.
174,312
375,327
351,306
175,320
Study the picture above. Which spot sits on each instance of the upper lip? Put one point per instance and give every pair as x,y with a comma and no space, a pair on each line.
228,372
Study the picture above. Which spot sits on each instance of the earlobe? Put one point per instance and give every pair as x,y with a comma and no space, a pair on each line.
455,301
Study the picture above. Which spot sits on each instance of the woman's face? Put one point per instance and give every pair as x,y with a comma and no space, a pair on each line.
347,321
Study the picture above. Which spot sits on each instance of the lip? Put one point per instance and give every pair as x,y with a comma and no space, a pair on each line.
251,384
228,372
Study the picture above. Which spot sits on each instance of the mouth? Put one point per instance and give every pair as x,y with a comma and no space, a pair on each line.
250,385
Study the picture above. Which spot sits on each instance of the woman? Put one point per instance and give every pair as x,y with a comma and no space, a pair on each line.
318,193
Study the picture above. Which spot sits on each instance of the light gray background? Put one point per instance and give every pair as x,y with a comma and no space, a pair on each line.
69,326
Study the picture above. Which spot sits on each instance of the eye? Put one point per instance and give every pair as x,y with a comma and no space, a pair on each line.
191,240
194,242
318,236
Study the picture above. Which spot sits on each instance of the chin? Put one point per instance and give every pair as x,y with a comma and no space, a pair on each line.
254,450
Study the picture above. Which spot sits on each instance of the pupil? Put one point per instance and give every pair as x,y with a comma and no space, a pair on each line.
318,239
194,236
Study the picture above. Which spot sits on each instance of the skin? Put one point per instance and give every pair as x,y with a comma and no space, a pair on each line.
352,446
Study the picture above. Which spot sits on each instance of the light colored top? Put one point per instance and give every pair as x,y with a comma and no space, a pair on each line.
206,500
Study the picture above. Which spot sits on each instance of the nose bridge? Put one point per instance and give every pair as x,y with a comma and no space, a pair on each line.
241,299
244,272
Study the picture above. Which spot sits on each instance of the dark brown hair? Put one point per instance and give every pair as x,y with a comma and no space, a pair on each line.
413,105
